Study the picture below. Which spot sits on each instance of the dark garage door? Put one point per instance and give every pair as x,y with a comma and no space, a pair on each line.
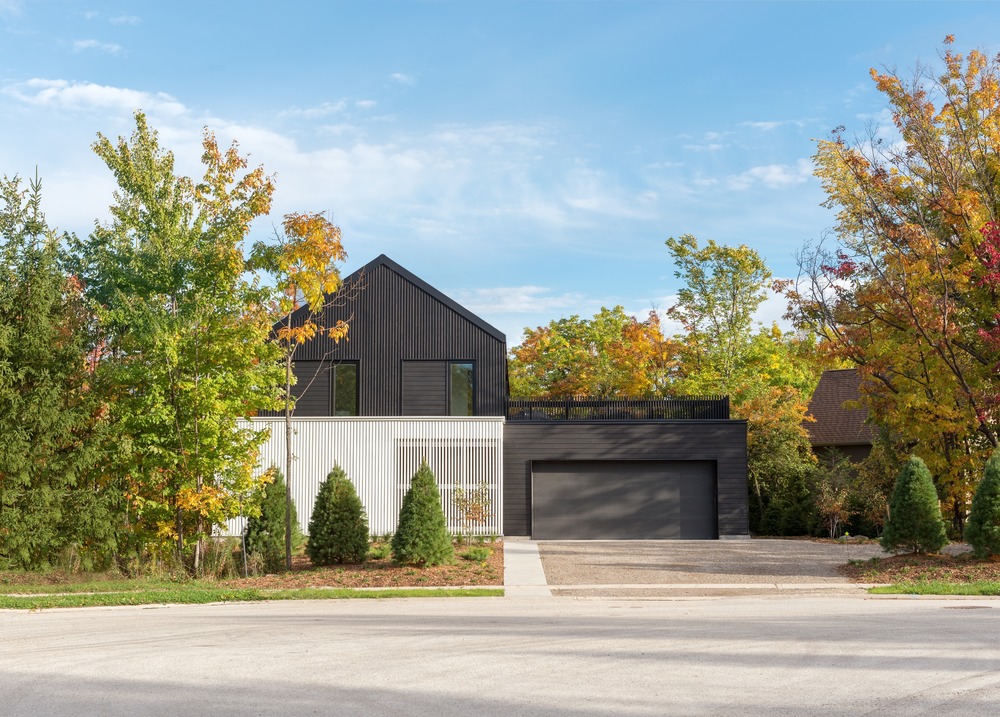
623,500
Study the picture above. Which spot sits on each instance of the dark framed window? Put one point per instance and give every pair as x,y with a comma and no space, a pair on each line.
461,388
344,389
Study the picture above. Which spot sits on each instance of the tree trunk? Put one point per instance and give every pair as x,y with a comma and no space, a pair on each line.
288,463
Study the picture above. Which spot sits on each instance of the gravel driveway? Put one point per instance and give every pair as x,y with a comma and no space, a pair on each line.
668,562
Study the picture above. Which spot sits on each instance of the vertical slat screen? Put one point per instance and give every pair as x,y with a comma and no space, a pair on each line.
380,456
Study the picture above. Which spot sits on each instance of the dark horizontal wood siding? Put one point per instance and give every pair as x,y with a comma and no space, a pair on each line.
396,317
721,441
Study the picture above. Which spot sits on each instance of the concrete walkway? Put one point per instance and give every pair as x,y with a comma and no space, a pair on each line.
525,576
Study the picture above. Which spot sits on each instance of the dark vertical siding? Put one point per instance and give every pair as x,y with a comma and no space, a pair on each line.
721,441
314,376
425,388
395,317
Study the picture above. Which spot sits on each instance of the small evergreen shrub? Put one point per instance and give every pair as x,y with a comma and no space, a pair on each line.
422,533
379,551
915,519
338,528
982,531
477,554
265,535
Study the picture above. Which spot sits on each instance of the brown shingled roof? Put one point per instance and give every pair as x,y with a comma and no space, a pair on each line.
834,424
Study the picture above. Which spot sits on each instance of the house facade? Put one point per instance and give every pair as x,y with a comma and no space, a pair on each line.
414,353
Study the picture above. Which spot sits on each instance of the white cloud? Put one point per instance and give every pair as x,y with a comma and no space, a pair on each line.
711,147
106,47
10,7
402,79
125,20
516,300
88,95
323,110
593,191
365,104
772,176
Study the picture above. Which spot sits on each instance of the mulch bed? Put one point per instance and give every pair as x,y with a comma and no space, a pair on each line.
910,568
382,573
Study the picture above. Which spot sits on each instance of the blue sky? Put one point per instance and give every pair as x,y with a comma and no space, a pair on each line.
527,158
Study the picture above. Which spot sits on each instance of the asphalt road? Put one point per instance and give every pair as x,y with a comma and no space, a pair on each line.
556,657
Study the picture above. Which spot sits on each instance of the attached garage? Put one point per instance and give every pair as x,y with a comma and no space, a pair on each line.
623,500
625,480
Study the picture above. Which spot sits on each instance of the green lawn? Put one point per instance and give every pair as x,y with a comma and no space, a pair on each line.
95,594
939,587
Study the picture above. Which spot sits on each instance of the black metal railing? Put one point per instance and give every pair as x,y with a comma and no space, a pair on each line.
680,408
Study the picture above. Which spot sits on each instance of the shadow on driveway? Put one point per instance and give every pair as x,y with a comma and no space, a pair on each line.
647,562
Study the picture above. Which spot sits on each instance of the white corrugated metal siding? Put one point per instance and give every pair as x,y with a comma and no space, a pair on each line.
380,456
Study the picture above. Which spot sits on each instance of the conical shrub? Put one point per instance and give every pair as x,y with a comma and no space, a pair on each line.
338,528
422,533
982,531
265,534
915,521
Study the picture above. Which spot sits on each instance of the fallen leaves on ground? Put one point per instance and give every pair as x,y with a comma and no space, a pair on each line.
962,568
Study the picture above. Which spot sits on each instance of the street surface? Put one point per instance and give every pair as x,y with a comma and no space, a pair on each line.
558,657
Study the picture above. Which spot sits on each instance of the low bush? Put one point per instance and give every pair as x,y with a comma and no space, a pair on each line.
982,531
422,533
338,528
477,554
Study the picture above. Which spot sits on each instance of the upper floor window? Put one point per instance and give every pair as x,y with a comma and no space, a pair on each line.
344,389
461,386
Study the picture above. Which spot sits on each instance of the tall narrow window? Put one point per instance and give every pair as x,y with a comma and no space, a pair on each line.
345,389
460,389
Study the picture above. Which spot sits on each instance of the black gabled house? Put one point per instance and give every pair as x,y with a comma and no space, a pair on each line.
410,351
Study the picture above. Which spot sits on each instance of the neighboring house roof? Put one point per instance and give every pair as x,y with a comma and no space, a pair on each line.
834,424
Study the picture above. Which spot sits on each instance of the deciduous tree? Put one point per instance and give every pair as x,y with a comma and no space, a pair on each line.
184,332
612,354
304,262
908,293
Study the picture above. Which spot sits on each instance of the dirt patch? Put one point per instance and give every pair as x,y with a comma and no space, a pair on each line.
375,573
961,568
383,573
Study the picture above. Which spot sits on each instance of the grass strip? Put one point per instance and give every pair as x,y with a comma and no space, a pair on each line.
197,596
93,586
939,587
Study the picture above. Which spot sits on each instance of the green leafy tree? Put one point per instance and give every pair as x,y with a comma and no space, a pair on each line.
265,533
768,374
305,265
915,521
52,497
421,536
338,528
184,334
982,531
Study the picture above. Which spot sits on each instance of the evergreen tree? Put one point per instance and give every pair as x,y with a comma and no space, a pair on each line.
338,528
51,496
265,534
914,512
982,531
422,533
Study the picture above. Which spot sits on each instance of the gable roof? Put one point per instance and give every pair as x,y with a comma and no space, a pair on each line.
836,425
383,260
